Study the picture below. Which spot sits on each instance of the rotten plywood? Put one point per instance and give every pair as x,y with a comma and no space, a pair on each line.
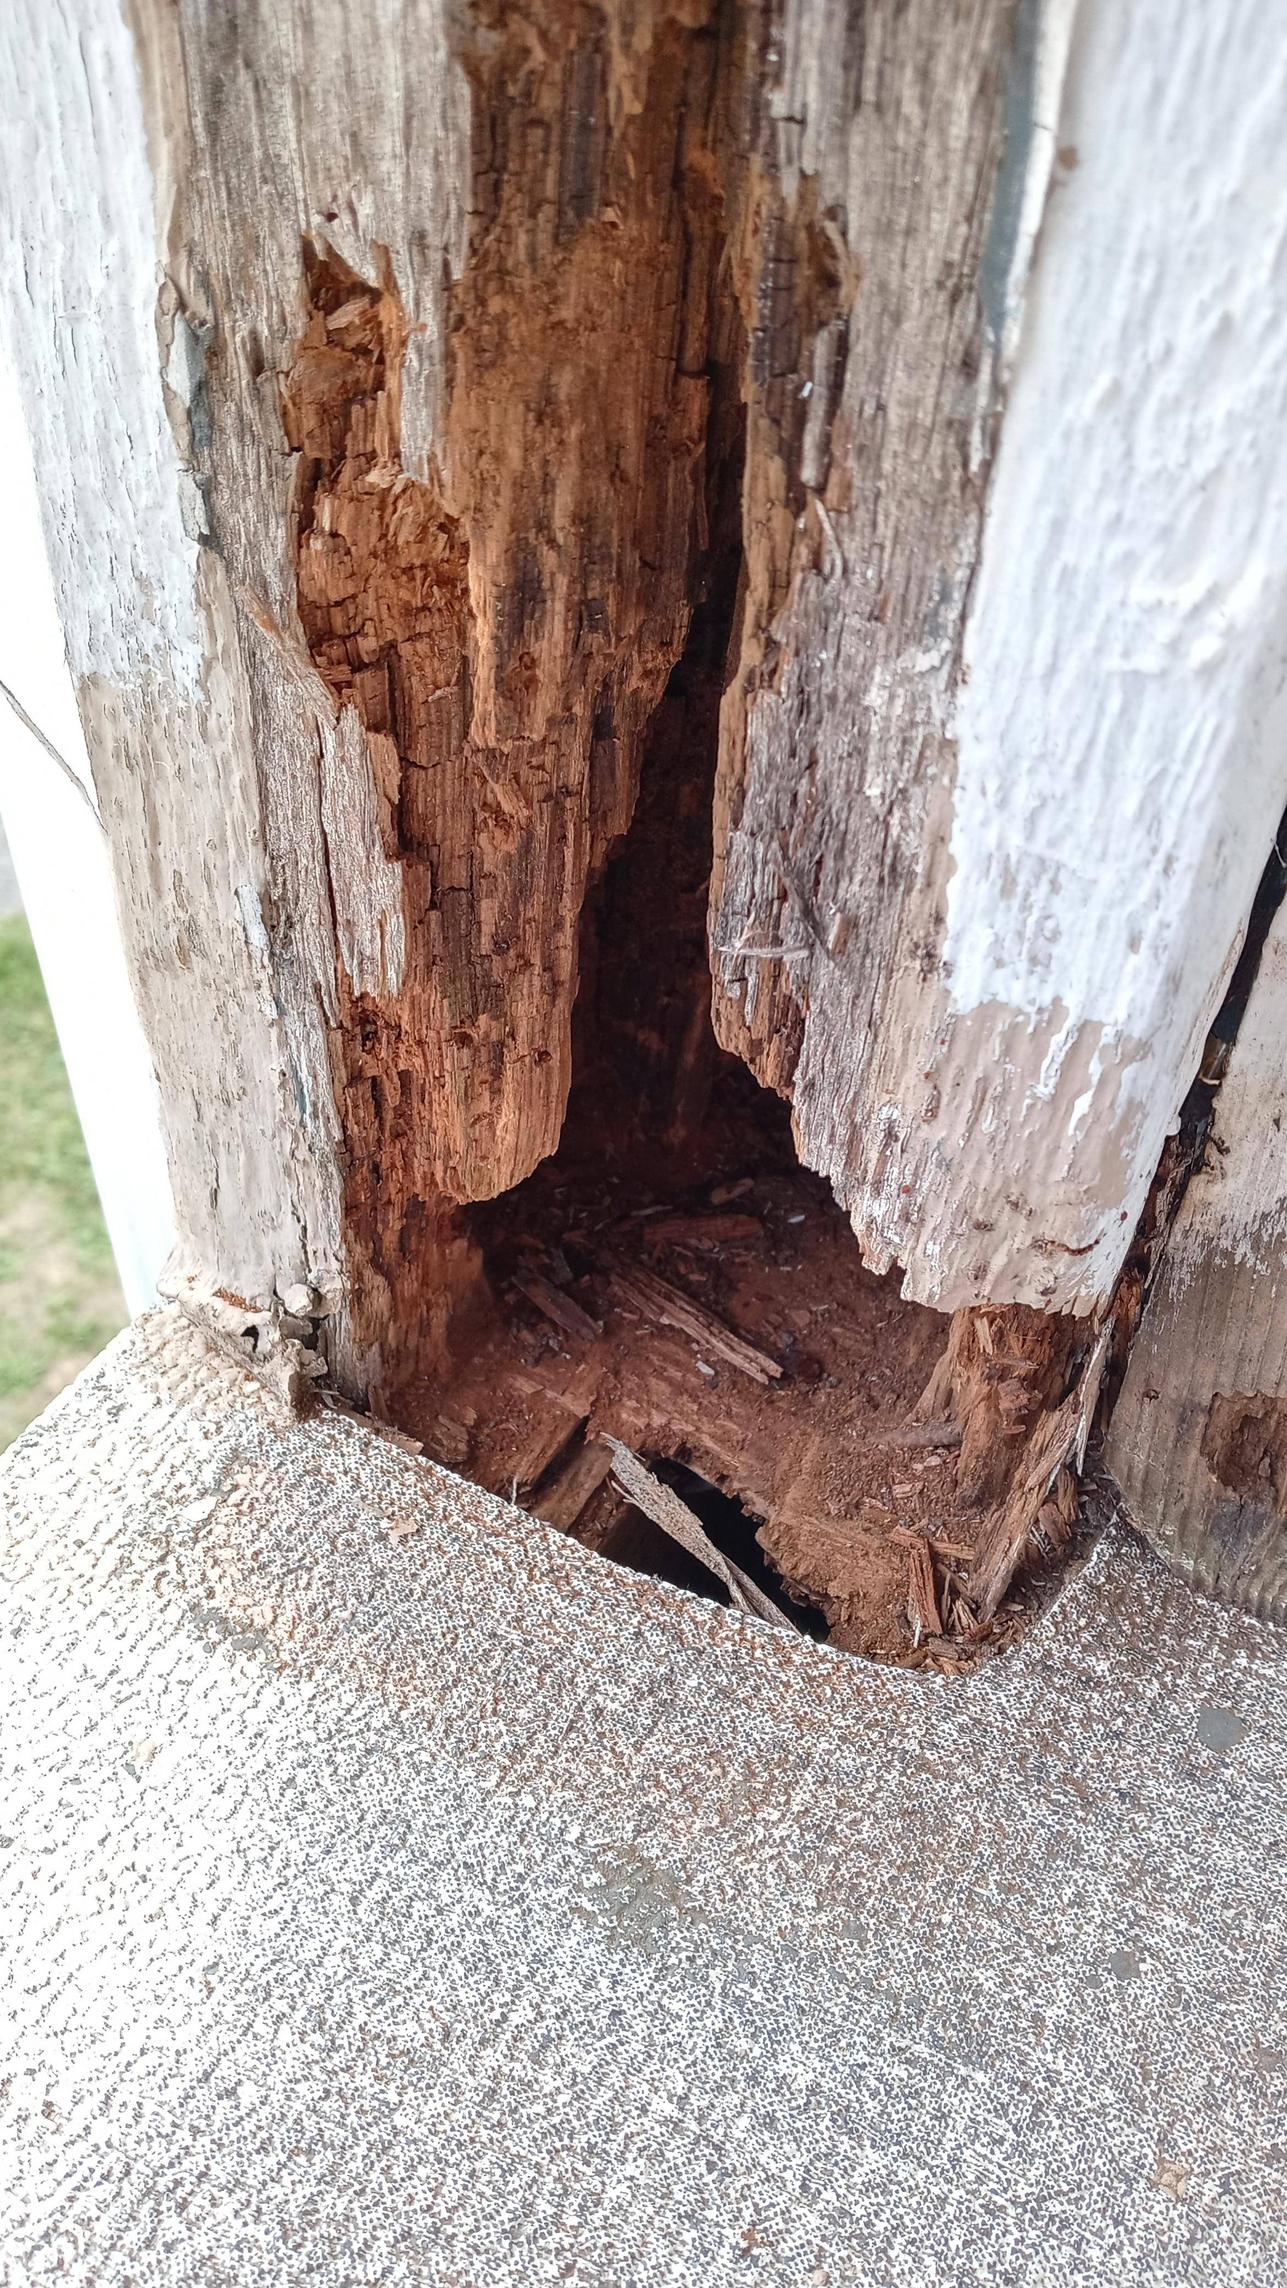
1198,1441
904,1481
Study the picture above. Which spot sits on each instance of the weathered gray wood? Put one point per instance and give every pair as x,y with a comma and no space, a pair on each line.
872,417
1198,1441
112,367
379,362
1003,758
353,936
375,432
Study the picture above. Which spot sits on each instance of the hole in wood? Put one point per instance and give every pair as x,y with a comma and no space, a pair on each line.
671,1277
639,1542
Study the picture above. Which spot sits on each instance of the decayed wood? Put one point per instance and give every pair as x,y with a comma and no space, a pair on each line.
922,1600
1198,1440
1015,1391
401,477
667,1306
557,1306
837,1358
503,630
490,544
379,460
662,1504
153,653
406,462
562,1502
788,1377
1001,762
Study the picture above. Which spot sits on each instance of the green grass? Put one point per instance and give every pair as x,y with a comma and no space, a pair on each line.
60,1299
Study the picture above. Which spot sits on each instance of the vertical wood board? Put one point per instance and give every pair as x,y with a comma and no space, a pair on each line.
152,649
998,787
1198,1441
374,437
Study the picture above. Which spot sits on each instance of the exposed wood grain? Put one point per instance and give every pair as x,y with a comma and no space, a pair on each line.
1003,757
151,644
1016,1390
493,384
1198,1440
389,500
922,1601
503,629
871,408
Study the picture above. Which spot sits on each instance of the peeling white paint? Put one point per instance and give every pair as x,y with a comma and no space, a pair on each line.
1122,736
108,382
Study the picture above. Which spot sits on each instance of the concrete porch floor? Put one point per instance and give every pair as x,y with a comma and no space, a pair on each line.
394,1892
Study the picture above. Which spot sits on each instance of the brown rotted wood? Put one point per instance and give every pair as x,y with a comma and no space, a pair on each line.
433,389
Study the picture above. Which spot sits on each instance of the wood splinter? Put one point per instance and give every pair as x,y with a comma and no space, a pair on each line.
663,1505
670,1307
557,1306
922,1599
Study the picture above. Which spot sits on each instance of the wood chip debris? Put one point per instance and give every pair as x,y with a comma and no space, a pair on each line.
557,1306
1056,1448
664,1506
906,1535
934,1435
668,1306
922,1599
705,1231
560,1504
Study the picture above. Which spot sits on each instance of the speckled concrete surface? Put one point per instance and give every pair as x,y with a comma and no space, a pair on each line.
392,1892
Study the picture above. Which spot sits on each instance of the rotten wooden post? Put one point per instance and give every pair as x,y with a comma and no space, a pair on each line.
452,422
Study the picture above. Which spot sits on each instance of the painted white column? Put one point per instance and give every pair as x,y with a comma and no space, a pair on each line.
61,862
1121,733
